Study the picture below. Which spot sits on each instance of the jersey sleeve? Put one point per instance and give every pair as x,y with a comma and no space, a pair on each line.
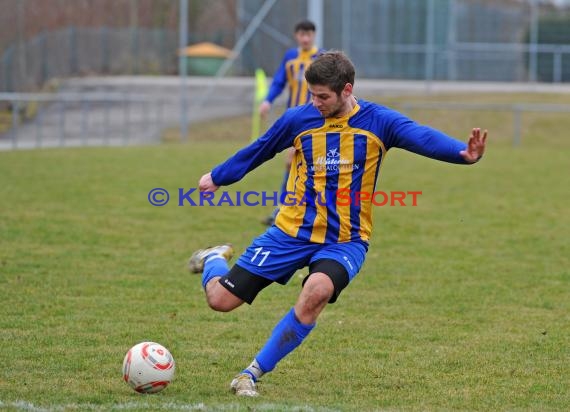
276,139
406,134
279,80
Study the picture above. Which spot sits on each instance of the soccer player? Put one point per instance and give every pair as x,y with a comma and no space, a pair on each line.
291,73
340,143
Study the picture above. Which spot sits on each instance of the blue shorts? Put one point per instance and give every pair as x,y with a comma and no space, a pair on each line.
277,256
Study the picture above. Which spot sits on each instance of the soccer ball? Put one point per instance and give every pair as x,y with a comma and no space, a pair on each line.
148,367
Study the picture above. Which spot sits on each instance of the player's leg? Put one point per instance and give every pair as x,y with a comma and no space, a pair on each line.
274,256
330,271
219,298
226,289
316,293
213,264
326,280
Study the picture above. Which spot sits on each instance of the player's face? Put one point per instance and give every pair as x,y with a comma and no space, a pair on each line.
305,39
328,103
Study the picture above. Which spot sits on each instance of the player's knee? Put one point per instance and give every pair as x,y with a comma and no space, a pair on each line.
218,304
220,300
318,288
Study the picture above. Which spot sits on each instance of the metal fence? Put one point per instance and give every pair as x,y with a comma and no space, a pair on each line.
120,119
516,111
115,111
464,40
471,40
75,119
429,40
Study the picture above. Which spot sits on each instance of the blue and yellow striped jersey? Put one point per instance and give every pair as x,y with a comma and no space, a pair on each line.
331,155
291,72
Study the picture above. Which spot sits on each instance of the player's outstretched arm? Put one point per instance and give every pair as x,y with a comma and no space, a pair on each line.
475,146
206,183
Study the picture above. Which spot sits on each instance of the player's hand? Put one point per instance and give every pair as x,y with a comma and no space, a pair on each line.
475,146
206,183
264,108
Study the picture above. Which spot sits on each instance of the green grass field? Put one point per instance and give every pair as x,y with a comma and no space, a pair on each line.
463,302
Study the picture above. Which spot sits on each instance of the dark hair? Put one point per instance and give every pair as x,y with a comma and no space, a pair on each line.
332,69
305,25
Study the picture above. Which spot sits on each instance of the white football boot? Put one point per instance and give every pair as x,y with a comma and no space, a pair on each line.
196,261
243,385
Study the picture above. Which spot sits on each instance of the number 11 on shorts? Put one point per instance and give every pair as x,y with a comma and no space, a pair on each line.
259,251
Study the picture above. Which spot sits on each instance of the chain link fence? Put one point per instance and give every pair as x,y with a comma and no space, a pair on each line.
46,39
466,40
428,40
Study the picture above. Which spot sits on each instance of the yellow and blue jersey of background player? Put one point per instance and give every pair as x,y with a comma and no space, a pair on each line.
333,154
291,72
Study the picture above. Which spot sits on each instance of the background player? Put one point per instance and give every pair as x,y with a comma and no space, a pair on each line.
291,73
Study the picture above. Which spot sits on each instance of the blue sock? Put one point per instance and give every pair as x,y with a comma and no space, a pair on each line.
214,265
286,336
